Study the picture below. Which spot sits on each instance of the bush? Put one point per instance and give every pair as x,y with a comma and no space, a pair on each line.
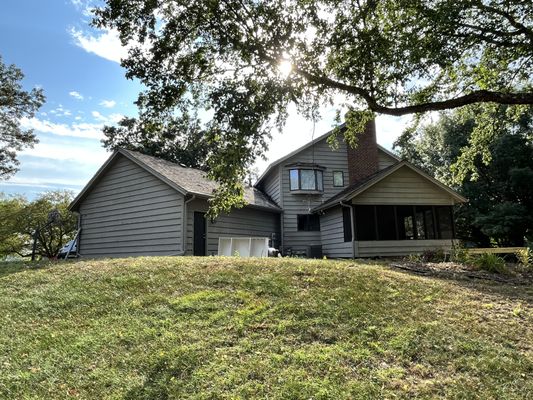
459,255
434,255
414,258
525,257
489,262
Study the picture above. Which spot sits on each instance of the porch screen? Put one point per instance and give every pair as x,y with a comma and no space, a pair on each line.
403,222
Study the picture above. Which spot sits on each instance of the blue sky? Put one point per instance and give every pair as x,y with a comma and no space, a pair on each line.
78,68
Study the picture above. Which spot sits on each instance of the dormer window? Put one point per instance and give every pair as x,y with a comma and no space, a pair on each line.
306,180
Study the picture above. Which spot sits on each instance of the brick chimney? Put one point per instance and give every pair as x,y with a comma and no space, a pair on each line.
363,160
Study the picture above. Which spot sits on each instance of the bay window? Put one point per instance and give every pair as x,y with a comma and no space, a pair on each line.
306,180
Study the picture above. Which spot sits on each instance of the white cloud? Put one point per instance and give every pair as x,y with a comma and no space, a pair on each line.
105,44
76,95
49,183
60,112
110,119
68,152
114,118
83,130
96,115
108,103
389,128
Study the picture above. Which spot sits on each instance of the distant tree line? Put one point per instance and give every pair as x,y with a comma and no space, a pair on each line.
489,160
23,221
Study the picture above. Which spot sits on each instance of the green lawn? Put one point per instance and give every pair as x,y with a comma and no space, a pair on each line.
210,328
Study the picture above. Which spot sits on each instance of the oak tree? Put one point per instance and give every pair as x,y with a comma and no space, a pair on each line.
245,61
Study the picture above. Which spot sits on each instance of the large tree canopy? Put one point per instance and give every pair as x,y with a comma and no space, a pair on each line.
15,103
497,182
178,139
245,60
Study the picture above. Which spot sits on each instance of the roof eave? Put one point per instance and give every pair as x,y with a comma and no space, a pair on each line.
174,185
293,153
73,206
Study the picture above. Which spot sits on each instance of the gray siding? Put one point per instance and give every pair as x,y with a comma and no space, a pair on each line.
332,233
130,213
244,222
271,185
385,160
405,186
387,248
293,204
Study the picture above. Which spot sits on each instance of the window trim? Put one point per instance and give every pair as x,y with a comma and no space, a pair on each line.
342,177
316,171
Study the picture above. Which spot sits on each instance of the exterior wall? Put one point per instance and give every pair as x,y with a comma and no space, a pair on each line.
130,213
388,248
384,160
332,233
293,204
404,186
271,185
245,222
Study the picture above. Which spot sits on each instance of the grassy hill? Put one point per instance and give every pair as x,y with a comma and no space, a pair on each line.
211,328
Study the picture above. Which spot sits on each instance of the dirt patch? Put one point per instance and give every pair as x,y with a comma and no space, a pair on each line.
516,275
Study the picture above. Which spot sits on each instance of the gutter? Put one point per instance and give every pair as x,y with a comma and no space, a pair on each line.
184,225
343,204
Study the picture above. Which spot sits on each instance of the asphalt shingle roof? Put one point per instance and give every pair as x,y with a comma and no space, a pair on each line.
195,181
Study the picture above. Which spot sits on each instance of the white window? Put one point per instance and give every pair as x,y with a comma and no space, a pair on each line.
338,178
306,179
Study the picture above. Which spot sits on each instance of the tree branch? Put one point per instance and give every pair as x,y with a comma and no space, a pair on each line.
471,98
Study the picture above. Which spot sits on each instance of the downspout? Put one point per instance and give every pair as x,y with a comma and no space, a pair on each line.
184,225
78,236
343,204
281,232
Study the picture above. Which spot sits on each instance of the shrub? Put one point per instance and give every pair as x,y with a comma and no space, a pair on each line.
434,255
459,254
489,262
414,258
525,257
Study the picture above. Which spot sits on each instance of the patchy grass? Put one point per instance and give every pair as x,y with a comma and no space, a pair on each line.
215,328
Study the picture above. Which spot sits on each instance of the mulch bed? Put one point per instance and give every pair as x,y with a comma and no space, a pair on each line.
516,275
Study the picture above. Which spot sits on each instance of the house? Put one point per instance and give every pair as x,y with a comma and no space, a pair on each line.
341,202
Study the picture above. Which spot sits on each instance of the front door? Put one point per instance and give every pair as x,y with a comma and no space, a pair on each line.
199,234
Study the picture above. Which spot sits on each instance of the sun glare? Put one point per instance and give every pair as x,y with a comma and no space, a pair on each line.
285,68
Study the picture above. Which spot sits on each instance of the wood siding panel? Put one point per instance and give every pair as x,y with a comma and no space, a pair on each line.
293,204
388,248
271,185
385,160
245,222
332,233
130,212
404,186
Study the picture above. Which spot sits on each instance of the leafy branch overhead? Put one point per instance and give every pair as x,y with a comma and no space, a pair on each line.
392,57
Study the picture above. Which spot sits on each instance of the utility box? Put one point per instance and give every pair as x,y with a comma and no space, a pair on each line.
243,246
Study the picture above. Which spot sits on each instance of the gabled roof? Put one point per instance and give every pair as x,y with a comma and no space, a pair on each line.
309,144
359,187
184,180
